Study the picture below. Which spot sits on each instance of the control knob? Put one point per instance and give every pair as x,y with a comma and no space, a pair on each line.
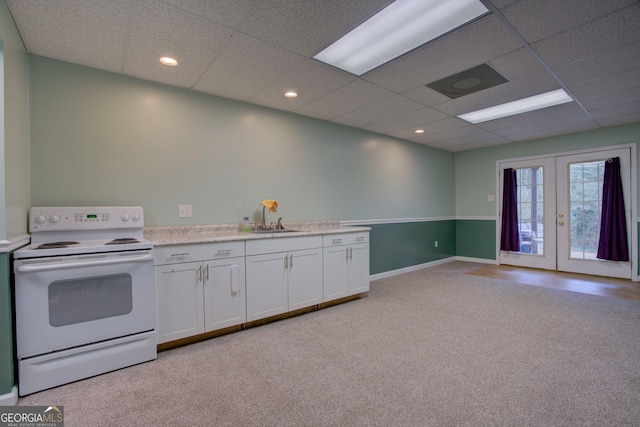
125,217
40,219
54,218
135,216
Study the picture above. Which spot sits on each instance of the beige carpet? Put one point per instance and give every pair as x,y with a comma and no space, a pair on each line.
437,347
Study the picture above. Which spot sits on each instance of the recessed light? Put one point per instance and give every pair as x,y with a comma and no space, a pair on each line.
536,102
419,131
170,62
400,27
290,94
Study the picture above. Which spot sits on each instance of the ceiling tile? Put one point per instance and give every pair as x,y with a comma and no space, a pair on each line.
158,29
425,95
245,67
307,26
475,44
471,142
517,64
83,32
311,79
607,85
594,67
623,111
352,96
373,113
610,32
413,119
538,19
226,12
619,98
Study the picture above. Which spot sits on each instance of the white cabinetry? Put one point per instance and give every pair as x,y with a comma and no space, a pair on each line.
346,265
199,288
283,275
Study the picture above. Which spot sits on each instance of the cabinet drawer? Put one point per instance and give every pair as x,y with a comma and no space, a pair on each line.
268,246
197,252
329,240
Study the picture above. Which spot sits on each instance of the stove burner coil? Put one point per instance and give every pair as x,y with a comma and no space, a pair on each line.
56,245
123,241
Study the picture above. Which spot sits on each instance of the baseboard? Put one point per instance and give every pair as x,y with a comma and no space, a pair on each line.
480,260
9,399
417,267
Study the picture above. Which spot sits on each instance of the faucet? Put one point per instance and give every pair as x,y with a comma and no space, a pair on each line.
279,225
263,225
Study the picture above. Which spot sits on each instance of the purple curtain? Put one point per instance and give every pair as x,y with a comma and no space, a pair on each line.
613,244
510,238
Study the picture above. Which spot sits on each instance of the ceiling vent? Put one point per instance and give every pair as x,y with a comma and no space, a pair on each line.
469,81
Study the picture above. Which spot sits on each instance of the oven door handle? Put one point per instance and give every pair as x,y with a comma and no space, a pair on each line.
89,263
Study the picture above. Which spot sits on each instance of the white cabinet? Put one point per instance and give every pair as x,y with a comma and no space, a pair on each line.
199,288
345,265
283,275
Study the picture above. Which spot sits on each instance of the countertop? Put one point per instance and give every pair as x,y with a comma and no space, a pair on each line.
183,235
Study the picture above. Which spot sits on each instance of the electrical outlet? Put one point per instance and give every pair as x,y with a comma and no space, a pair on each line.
436,243
185,211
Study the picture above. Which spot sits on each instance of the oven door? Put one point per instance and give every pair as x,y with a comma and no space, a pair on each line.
68,301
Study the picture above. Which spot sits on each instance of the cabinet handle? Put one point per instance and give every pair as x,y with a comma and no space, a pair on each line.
206,273
286,263
291,261
200,274
350,253
235,282
347,252
184,254
359,239
337,241
224,251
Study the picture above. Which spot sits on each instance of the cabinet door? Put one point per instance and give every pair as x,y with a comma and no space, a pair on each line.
335,272
305,278
224,291
266,285
358,269
179,302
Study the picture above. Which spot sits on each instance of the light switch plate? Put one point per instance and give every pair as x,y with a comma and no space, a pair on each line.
185,211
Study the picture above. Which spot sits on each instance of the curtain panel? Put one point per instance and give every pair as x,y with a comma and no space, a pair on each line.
509,238
613,245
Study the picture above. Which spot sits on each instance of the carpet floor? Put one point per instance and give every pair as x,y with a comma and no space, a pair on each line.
435,347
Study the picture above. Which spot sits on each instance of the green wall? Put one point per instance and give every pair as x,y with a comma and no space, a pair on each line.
476,239
6,331
400,245
101,138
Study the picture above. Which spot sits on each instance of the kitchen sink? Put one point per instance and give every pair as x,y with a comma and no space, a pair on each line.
273,231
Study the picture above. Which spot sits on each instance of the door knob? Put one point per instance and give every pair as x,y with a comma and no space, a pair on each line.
560,215
561,223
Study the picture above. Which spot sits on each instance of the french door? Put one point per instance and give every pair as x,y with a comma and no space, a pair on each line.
559,209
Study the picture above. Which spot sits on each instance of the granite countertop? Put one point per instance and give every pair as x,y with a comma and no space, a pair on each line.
182,235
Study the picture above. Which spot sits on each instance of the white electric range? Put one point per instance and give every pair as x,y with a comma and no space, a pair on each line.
84,295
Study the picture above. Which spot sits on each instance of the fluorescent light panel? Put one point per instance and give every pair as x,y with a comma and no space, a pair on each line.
400,27
536,102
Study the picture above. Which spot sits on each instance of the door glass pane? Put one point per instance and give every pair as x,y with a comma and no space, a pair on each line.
531,210
585,205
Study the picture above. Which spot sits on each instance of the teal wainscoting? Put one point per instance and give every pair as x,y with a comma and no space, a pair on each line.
476,238
399,245
6,326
